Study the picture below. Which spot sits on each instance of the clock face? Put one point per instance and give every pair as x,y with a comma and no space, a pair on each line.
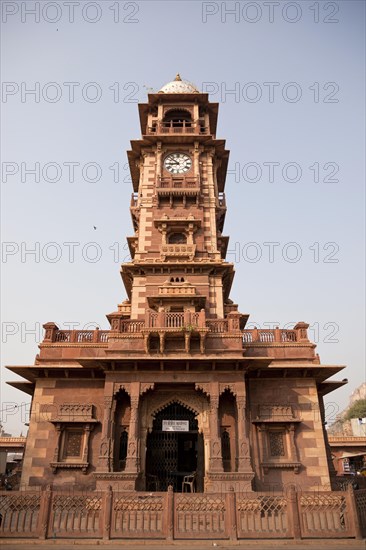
177,163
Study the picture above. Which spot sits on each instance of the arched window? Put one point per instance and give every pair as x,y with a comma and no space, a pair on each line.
177,238
178,118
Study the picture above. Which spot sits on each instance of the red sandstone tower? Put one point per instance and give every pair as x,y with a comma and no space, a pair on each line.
177,387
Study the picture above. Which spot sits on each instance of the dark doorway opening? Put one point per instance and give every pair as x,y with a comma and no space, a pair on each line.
171,455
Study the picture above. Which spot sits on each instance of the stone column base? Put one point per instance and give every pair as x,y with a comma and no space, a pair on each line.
120,481
228,481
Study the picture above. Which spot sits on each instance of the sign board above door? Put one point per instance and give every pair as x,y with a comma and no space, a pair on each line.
175,426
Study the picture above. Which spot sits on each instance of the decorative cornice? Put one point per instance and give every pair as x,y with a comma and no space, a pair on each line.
295,466
247,345
70,465
232,476
115,476
74,345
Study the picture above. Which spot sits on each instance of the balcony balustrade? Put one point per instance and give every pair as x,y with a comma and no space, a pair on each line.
217,325
269,336
173,127
177,291
178,182
175,321
80,336
178,251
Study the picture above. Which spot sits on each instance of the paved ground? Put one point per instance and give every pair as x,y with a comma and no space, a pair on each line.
321,544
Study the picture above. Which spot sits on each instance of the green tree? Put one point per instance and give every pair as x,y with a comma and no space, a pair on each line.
357,410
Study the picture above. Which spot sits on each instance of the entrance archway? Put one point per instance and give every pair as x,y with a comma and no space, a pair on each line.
174,448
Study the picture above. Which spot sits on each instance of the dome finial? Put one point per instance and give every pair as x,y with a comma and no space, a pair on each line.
178,86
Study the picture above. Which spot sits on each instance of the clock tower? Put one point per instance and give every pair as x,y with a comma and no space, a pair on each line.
178,209
178,392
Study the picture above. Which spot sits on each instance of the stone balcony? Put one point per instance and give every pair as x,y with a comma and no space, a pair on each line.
171,127
187,332
178,182
184,290
75,336
178,186
175,251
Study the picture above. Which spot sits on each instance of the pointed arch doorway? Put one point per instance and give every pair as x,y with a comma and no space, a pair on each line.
174,449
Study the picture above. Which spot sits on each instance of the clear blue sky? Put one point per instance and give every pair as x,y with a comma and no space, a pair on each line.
297,71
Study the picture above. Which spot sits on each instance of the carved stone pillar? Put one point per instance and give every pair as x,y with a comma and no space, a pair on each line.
132,459
215,440
59,429
158,159
105,452
243,458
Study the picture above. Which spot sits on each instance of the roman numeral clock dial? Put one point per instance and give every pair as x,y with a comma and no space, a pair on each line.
177,163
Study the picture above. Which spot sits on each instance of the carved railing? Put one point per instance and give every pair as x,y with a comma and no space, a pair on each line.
360,500
325,514
183,127
288,335
346,440
20,514
8,441
171,320
178,182
177,290
174,320
217,325
195,318
61,514
80,336
178,251
131,325
77,515
263,515
269,336
134,514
